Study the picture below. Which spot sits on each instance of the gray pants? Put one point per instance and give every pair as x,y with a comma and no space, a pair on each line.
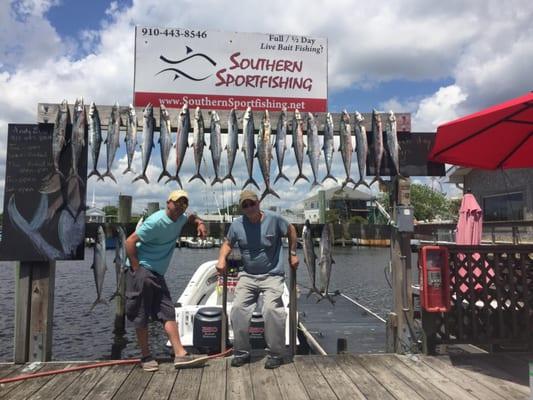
246,294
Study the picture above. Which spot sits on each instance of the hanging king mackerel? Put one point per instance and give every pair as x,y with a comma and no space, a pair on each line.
328,146
120,260
298,143
313,146
198,143
95,139
99,266
264,153
325,261
182,141
52,182
248,145
232,144
112,139
361,146
377,132
131,137
393,148
309,257
215,145
77,141
281,143
148,140
165,139
346,146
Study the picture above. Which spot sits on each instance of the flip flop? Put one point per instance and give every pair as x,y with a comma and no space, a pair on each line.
190,361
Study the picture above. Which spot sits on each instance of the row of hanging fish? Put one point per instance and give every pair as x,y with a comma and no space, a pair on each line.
263,150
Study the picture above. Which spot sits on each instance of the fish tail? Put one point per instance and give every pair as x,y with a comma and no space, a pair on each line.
361,182
315,183
281,175
110,175
95,172
198,176
164,173
143,177
250,181
329,176
116,294
326,296
129,169
301,176
315,291
377,178
230,177
217,179
346,181
268,191
75,176
98,301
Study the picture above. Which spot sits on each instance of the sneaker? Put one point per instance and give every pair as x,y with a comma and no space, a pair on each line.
239,361
273,362
190,361
149,364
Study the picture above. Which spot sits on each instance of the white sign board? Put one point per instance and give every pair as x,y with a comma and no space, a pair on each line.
222,70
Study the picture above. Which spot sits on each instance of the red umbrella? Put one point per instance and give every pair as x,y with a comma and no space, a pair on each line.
500,136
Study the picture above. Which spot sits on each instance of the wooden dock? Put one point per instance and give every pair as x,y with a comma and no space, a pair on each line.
383,376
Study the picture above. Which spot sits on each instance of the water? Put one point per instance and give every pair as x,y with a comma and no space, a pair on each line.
80,335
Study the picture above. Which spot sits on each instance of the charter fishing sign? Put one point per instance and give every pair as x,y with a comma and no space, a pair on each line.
223,70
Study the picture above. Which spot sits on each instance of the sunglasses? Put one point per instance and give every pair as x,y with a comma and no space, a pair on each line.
248,204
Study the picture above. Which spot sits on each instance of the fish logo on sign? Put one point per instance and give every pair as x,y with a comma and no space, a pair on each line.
179,72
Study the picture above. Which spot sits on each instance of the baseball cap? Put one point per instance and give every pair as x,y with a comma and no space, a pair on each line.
177,194
247,195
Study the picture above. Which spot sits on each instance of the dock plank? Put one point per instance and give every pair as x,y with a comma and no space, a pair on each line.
289,383
314,382
7,388
83,384
57,385
30,386
264,383
134,384
505,366
440,381
111,382
161,383
213,384
486,370
7,369
394,384
366,382
424,388
187,384
460,378
339,382
238,382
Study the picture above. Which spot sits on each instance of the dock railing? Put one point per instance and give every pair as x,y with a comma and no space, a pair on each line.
491,299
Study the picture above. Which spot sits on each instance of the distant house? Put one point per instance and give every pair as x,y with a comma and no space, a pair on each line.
347,201
504,195
94,214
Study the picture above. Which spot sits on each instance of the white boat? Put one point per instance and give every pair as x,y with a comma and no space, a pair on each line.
199,311
198,243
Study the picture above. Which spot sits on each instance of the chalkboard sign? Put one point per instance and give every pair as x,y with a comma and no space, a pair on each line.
44,209
413,156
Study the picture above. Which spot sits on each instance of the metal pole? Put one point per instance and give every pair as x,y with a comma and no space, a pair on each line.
292,312
223,336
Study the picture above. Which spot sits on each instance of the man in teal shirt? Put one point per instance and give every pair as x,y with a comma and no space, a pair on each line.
150,250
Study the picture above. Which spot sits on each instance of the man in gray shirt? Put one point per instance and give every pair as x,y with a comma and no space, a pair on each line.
258,234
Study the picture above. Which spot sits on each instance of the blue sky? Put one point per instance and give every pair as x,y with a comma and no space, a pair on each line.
437,60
